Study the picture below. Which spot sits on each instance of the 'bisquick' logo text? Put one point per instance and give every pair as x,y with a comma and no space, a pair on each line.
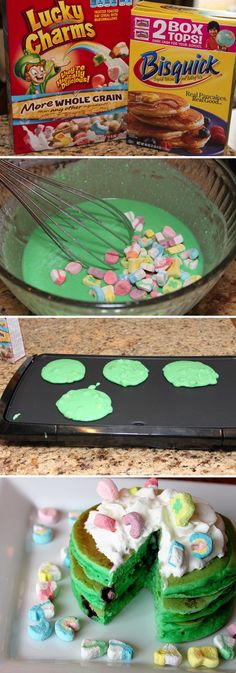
152,64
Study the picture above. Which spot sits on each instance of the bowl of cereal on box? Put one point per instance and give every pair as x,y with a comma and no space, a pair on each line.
179,239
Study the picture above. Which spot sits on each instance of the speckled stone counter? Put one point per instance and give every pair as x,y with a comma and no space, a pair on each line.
180,336
109,148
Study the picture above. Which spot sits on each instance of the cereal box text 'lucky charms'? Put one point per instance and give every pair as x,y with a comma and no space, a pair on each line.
68,71
182,65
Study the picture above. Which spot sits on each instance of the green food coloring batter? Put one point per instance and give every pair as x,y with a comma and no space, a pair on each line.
87,404
125,372
190,374
41,254
16,416
64,370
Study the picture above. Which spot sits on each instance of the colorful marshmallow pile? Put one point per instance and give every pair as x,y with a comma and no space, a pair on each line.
42,532
153,264
40,626
43,612
201,544
183,508
40,616
107,490
115,650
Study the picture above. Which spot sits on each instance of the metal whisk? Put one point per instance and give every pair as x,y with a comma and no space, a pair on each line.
56,209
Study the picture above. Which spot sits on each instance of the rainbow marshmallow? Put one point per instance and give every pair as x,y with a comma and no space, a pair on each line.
201,545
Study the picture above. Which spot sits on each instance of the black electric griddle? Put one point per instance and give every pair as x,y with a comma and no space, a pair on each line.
153,414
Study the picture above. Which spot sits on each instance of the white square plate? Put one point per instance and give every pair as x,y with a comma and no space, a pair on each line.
20,560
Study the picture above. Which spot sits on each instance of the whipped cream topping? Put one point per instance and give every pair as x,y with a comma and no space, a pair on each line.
157,514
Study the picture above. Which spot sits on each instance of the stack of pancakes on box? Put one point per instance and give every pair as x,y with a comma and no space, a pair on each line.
168,120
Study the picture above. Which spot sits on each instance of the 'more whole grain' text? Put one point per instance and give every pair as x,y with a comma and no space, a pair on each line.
61,102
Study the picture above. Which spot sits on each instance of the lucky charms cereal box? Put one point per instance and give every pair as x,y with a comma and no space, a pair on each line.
11,341
68,71
182,66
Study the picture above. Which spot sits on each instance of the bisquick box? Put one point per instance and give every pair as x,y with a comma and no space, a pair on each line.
68,71
181,81
11,341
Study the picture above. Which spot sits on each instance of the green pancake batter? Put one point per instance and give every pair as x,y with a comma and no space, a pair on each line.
87,404
190,374
64,370
41,254
125,372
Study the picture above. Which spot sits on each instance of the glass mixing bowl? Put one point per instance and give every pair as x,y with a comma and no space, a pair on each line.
200,192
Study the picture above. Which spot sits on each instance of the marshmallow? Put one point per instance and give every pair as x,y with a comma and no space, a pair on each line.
119,651
183,508
42,534
92,649
66,628
48,515
43,629
203,656
107,489
104,521
73,268
168,655
49,571
136,522
58,276
225,644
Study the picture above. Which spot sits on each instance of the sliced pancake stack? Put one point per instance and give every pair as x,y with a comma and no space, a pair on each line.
168,120
200,602
100,592
187,608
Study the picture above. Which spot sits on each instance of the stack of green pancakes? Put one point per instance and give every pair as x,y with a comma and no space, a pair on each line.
187,608
200,602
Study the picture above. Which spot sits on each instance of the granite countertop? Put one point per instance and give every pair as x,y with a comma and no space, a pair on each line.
220,301
164,336
109,148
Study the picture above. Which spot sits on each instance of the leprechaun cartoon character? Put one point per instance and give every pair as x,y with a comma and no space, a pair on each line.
35,70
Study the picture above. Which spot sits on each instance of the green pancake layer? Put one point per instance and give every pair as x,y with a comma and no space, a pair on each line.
125,372
195,629
86,404
105,611
190,374
63,370
95,591
184,608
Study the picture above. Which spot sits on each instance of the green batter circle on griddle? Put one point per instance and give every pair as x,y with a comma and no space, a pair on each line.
86,404
64,370
190,374
125,372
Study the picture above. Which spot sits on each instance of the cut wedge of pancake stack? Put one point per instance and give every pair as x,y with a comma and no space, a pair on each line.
168,119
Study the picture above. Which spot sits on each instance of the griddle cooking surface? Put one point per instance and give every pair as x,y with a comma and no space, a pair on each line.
153,403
